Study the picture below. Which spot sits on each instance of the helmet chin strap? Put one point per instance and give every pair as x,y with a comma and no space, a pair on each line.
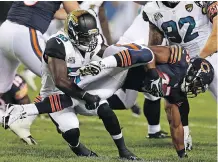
83,48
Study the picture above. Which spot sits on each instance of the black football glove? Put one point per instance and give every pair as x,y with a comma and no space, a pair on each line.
92,101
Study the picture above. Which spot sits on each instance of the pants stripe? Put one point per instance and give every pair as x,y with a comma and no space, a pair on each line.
35,44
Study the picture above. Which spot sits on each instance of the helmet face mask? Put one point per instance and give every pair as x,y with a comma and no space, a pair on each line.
199,75
82,30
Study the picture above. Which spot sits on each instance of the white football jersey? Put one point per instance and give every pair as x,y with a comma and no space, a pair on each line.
73,59
186,24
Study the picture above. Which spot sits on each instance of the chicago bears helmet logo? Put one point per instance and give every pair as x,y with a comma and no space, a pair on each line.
205,67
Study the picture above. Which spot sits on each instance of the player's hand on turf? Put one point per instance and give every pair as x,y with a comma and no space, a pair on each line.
93,68
92,101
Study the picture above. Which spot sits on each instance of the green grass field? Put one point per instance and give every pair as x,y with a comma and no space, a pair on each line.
52,148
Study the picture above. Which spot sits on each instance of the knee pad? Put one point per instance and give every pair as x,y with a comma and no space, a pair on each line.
115,103
104,111
72,136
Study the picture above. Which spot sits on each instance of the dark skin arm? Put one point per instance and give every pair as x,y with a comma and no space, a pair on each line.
58,70
155,35
211,44
176,127
161,53
104,24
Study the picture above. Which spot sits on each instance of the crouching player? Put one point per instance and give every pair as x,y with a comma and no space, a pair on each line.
168,79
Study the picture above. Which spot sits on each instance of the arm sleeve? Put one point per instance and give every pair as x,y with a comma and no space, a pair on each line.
55,48
211,7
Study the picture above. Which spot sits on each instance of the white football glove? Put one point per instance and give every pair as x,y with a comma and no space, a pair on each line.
93,68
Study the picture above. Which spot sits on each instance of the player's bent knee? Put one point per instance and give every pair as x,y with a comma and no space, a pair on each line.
72,136
104,111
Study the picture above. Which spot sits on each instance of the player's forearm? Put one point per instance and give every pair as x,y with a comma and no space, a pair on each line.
155,36
104,25
69,88
69,6
58,70
162,53
128,58
211,44
176,128
60,14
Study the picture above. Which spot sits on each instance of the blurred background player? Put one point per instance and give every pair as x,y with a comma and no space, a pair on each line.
21,36
22,41
18,94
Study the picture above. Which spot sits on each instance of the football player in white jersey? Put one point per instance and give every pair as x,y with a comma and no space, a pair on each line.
151,108
187,24
65,53
177,69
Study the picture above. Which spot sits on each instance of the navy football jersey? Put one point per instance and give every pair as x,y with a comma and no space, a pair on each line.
173,74
17,92
33,14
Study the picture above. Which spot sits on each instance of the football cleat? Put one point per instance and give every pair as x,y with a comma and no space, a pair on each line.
188,143
82,150
93,154
12,114
29,140
158,135
126,154
136,110
21,128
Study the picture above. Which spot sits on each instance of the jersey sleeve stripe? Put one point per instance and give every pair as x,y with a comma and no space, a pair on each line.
121,58
52,103
37,99
56,103
172,54
175,55
124,57
180,53
129,58
132,46
59,102
35,44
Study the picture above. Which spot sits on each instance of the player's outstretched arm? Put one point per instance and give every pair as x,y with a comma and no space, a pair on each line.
211,44
70,6
58,70
176,128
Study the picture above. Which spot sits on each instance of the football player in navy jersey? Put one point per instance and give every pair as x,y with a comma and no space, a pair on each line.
18,94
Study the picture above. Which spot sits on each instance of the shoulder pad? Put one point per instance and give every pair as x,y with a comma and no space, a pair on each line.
55,48
150,9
